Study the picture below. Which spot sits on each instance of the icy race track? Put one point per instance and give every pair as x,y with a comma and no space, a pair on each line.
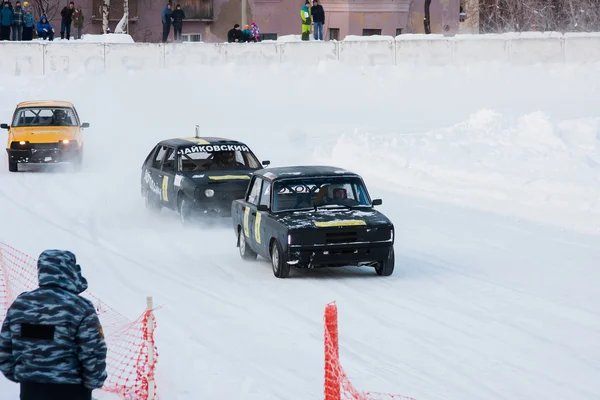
491,175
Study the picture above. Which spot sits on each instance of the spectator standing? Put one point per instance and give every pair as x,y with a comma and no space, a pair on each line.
17,29
235,34
6,21
67,19
318,17
27,24
166,21
247,34
44,29
78,22
255,32
51,341
306,20
178,16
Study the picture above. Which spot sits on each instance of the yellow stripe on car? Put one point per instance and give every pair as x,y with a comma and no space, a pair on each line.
349,222
226,177
197,140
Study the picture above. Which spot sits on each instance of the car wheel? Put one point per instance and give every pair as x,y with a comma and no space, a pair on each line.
151,202
13,166
281,269
78,161
386,267
245,251
185,212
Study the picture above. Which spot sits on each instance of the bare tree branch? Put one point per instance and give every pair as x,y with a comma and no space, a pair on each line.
498,16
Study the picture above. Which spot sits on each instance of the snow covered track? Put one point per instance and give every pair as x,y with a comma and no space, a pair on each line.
490,174
86,57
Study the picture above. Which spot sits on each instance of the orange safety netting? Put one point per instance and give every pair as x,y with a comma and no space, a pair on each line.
132,354
337,385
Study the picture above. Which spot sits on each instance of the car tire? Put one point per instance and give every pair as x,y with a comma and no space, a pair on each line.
13,166
78,161
281,269
386,267
245,251
186,213
151,203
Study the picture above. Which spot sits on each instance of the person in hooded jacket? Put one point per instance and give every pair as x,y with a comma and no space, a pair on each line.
6,21
166,21
44,29
51,341
78,21
178,16
306,20
28,23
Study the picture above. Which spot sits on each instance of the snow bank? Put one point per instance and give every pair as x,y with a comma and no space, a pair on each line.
108,38
527,48
531,166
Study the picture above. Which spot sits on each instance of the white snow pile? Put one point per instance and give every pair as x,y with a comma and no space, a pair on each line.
108,38
531,167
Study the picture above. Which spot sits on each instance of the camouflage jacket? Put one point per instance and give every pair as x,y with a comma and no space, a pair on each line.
51,334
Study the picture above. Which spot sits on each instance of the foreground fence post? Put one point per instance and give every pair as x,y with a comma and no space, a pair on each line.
150,345
332,354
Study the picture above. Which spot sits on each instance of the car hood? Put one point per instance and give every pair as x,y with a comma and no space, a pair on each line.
215,177
323,218
43,134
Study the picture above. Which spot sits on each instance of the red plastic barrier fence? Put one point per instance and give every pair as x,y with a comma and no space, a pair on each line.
132,353
337,384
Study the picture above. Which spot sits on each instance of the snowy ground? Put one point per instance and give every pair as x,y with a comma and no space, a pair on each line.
491,175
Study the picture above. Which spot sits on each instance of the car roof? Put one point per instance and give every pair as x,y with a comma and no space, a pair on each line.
45,103
195,141
304,171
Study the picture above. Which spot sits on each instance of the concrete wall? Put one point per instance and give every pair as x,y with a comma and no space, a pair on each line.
37,58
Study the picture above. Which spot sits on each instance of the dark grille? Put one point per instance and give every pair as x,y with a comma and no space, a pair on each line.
341,237
44,146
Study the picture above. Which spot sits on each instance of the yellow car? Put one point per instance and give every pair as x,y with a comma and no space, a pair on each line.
43,132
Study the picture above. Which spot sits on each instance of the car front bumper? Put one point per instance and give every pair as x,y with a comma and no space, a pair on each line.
42,156
338,255
218,205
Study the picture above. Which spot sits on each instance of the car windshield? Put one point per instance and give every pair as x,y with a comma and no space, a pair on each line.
327,192
215,158
45,116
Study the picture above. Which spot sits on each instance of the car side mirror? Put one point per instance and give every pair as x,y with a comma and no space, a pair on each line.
377,202
4,126
266,163
262,208
85,125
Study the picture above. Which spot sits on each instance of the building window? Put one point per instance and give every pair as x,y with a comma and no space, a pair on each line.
371,32
334,33
398,31
268,36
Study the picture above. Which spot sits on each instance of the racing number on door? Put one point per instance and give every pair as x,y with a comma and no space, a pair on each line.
246,216
165,187
257,227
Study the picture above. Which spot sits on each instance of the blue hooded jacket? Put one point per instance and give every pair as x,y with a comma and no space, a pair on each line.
6,16
43,25
51,334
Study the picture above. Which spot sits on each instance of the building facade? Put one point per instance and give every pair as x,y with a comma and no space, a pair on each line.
209,20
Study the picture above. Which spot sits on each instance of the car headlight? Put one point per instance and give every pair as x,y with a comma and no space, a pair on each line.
209,193
289,239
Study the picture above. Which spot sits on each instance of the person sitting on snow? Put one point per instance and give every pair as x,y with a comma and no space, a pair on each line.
44,29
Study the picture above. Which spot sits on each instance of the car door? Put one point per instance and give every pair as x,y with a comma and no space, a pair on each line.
261,222
249,216
153,174
167,177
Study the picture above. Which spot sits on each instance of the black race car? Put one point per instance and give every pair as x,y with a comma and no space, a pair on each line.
197,176
312,216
